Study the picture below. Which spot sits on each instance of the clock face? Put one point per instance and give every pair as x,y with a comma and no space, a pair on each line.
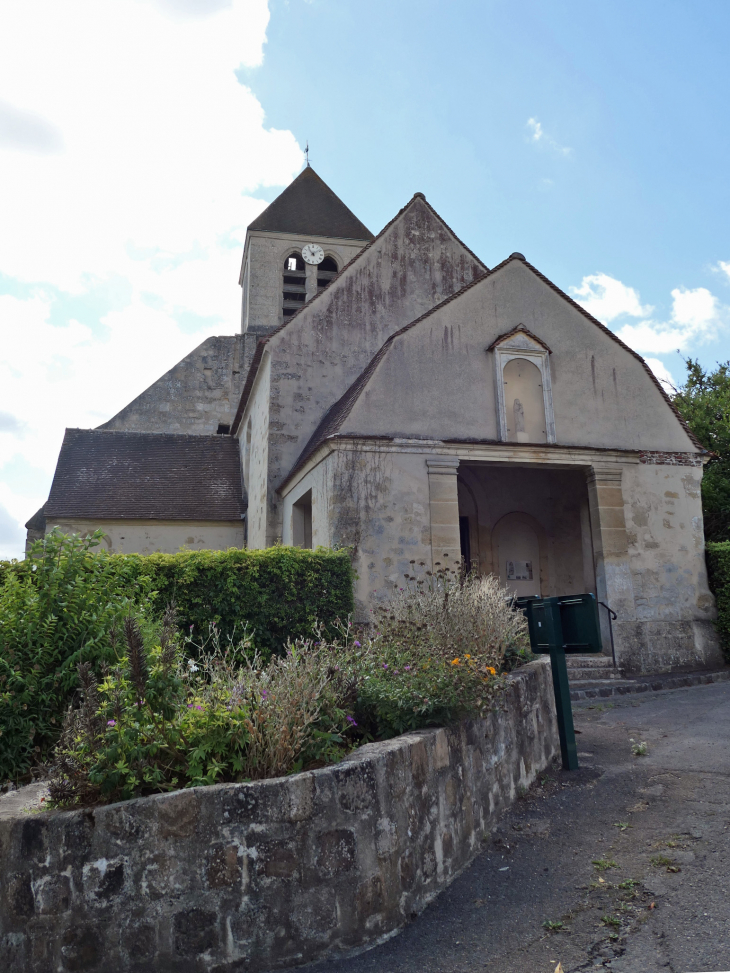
313,253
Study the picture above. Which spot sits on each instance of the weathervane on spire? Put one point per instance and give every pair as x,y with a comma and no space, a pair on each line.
306,152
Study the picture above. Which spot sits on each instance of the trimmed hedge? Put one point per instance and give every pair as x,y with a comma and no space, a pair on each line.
718,564
279,591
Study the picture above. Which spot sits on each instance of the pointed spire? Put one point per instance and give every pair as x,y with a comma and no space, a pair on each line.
308,207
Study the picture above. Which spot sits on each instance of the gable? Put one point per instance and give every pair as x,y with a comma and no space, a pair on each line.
413,264
437,378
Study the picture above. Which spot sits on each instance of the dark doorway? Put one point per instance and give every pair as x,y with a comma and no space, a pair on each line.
465,542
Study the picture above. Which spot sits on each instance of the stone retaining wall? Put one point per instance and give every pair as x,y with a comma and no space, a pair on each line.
269,874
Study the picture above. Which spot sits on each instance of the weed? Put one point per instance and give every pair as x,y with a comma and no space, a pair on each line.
622,825
603,864
629,884
611,921
661,861
552,926
639,749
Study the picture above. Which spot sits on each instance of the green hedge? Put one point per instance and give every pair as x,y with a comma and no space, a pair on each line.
279,591
718,564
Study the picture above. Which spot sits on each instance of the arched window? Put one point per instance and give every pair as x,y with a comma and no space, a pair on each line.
295,291
325,272
524,402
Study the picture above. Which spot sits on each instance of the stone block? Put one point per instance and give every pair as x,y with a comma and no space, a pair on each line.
82,949
195,931
276,859
224,867
53,894
336,852
178,815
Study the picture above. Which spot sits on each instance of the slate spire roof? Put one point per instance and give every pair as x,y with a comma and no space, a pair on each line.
308,207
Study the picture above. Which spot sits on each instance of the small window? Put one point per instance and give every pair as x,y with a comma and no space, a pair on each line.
302,521
294,292
326,271
223,429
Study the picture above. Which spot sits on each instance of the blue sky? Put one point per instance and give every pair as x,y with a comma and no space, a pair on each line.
139,137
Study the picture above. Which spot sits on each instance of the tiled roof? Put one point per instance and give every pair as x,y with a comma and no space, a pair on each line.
308,207
146,476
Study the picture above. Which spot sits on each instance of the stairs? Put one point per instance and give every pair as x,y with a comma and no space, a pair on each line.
594,677
585,670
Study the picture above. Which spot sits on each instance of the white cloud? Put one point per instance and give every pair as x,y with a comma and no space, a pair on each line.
130,153
539,135
607,298
695,317
666,379
724,266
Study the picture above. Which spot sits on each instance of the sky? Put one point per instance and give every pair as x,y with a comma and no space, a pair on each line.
138,138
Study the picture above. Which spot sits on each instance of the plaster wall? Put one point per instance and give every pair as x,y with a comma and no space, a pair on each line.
414,264
255,472
673,609
263,270
163,536
196,395
270,874
437,380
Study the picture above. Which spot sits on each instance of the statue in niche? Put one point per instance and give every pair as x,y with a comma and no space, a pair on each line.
519,414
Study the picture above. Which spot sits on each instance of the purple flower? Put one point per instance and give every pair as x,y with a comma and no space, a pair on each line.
111,722
264,693
351,721
199,707
190,705
407,668
357,644
385,665
395,672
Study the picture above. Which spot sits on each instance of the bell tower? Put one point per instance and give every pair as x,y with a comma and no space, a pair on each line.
293,250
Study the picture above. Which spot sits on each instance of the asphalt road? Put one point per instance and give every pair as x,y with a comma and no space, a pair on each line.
657,824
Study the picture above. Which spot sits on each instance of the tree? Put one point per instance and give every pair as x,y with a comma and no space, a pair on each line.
704,402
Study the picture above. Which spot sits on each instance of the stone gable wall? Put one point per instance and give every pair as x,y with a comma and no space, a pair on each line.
270,874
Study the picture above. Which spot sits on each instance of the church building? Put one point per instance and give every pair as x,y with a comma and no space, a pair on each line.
394,395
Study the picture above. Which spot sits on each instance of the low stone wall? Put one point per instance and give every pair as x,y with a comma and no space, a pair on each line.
269,874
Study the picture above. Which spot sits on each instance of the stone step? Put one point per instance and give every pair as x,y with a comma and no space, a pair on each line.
575,675
600,690
589,661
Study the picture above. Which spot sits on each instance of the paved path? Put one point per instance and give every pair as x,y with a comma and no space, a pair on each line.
672,806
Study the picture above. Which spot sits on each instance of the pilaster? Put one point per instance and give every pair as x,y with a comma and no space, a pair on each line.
444,511
610,545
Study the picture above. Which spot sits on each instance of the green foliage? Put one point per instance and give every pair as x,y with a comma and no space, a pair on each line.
160,720
704,401
438,649
718,563
144,730
172,715
57,609
278,592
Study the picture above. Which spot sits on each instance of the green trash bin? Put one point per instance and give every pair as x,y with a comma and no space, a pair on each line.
566,623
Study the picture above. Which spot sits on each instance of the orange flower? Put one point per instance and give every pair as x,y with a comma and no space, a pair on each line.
455,662
492,670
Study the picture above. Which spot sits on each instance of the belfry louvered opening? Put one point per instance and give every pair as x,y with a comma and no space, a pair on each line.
325,272
295,291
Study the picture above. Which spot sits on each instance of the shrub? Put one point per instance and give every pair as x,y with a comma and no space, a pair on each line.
438,647
160,720
278,592
59,609
171,715
718,563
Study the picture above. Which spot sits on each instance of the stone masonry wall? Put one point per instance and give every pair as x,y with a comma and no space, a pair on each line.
270,874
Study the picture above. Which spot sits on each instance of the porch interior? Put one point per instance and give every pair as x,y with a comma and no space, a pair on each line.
529,525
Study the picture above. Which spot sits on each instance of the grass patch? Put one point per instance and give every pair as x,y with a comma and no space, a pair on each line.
603,864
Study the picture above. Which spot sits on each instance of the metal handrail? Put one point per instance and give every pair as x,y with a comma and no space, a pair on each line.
611,615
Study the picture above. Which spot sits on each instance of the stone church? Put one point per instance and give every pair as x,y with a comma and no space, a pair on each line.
395,395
